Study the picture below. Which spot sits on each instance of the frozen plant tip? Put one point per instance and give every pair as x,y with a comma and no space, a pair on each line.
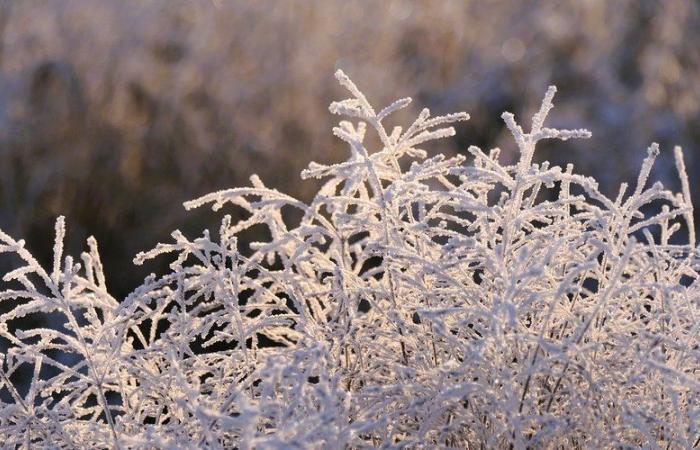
418,302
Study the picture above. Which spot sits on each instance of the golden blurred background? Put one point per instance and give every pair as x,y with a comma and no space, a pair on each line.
113,113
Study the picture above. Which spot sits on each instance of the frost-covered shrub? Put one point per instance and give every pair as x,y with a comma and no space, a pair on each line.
435,303
105,101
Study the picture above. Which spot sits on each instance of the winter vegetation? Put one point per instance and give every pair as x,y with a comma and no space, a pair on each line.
416,301
104,101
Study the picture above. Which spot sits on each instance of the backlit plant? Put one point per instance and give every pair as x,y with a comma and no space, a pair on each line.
416,301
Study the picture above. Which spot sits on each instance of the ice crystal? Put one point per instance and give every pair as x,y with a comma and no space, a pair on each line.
417,302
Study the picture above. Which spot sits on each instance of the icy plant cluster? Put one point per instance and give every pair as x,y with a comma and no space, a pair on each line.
188,97
415,302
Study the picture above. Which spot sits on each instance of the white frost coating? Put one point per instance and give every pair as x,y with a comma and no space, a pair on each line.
446,305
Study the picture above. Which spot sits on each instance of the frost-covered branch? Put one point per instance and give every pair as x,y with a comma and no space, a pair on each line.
418,302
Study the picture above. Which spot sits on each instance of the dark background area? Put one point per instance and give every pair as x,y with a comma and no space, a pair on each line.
113,113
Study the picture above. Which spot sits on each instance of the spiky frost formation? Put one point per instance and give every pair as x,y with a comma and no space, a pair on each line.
450,305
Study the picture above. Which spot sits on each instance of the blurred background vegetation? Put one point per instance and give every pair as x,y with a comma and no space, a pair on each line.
113,113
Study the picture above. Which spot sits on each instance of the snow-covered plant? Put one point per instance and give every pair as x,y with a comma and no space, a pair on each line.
415,302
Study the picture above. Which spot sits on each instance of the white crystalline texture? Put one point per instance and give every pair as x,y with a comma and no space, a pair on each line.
450,304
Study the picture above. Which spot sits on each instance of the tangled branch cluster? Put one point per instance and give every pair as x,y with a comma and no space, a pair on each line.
436,304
